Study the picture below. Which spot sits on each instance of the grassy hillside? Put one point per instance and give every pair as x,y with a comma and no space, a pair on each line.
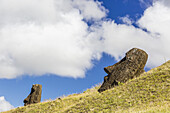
148,93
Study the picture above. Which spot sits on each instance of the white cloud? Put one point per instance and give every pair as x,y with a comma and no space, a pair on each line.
4,105
146,3
165,2
90,9
47,36
156,19
126,19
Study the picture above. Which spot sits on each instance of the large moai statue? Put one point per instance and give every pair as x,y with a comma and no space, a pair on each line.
34,96
130,66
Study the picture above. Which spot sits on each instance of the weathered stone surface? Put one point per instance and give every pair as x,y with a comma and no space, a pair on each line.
34,96
130,66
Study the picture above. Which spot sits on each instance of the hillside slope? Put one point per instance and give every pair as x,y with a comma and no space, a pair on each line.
148,93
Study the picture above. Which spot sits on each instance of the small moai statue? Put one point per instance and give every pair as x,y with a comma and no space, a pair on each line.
34,96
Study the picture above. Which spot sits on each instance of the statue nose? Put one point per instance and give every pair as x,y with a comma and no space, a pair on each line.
108,69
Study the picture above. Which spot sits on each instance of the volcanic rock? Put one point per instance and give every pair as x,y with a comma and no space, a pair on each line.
34,96
132,65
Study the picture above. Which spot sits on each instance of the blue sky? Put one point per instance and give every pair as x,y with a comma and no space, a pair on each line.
64,45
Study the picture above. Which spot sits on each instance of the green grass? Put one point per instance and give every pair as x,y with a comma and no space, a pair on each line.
148,93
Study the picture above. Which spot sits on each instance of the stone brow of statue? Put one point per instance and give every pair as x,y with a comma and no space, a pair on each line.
34,96
132,65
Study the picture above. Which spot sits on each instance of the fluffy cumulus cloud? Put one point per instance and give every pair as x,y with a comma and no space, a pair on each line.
156,20
52,36
4,105
47,36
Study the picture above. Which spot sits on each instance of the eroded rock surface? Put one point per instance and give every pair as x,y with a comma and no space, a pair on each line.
130,66
34,96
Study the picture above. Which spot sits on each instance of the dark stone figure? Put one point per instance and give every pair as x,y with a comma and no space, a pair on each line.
34,96
130,66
